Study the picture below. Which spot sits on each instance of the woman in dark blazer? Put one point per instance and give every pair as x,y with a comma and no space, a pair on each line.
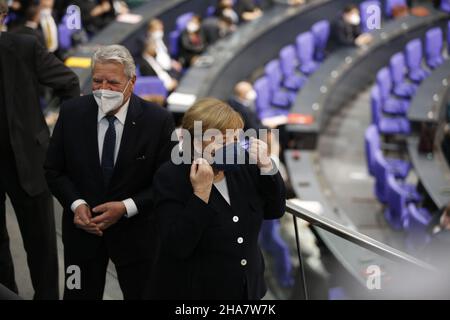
209,217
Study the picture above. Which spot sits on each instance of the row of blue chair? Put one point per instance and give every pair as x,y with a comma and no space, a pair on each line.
285,76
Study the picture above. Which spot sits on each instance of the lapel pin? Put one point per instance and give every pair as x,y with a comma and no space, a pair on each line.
134,123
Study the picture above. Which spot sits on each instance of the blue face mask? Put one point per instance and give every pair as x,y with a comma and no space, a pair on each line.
231,156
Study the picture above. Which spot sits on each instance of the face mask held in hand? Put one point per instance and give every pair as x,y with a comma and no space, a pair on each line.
109,100
231,156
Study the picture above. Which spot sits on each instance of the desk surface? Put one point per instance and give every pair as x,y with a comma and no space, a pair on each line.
349,70
431,95
433,173
238,56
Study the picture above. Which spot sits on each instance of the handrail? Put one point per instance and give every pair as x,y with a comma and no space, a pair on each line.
355,237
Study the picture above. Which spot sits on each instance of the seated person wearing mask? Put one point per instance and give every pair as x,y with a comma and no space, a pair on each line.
248,10
209,215
225,9
149,66
155,32
192,42
348,28
243,102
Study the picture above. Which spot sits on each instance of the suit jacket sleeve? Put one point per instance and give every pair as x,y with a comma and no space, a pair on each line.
55,167
53,73
181,223
144,199
273,191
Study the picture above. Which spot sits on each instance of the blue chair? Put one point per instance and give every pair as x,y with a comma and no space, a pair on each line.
280,98
414,54
386,125
273,244
183,20
390,105
150,86
445,5
399,168
366,15
64,35
433,47
396,213
288,64
305,53
263,105
321,33
402,88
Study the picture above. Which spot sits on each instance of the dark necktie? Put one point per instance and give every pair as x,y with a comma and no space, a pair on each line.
109,145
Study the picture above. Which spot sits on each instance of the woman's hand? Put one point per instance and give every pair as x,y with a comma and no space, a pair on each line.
202,176
259,152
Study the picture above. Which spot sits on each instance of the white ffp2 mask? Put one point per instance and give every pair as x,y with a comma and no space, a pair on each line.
109,100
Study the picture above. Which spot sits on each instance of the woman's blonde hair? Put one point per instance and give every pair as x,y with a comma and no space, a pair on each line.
213,114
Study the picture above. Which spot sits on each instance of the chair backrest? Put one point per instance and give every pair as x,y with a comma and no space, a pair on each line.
305,47
365,12
372,144
445,5
433,43
321,34
210,11
273,74
375,104
396,199
183,20
413,53
174,46
150,86
65,34
397,66
391,4
384,83
288,60
262,102
380,168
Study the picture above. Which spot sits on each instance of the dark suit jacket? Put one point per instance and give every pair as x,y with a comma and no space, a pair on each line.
27,64
251,120
199,256
73,172
145,68
345,33
32,32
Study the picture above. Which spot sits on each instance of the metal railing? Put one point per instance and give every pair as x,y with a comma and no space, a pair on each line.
351,236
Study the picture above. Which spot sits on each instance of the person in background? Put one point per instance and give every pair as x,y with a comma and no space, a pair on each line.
225,8
192,42
248,10
31,25
209,211
48,25
149,66
348,28
243,101
95,14
216,28
24,136
155,33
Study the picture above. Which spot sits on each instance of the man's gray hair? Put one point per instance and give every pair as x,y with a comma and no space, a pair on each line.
115,53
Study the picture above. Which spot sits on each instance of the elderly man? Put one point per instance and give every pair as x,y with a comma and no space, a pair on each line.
105,149
24,136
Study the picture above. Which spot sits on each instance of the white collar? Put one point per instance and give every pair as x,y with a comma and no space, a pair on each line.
121,115
31,24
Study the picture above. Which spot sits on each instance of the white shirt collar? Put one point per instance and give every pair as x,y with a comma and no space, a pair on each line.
121,115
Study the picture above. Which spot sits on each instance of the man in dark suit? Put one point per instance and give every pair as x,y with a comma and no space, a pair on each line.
347,29
31,25
102,157
24,136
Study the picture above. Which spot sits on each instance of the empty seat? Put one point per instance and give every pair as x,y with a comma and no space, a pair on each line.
150,86
433,47
391,4
366,13
396,213
445,5
321,33
399,168
402,88
386,125
305,53
288,64
390,105
263,98
414,55
280,98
